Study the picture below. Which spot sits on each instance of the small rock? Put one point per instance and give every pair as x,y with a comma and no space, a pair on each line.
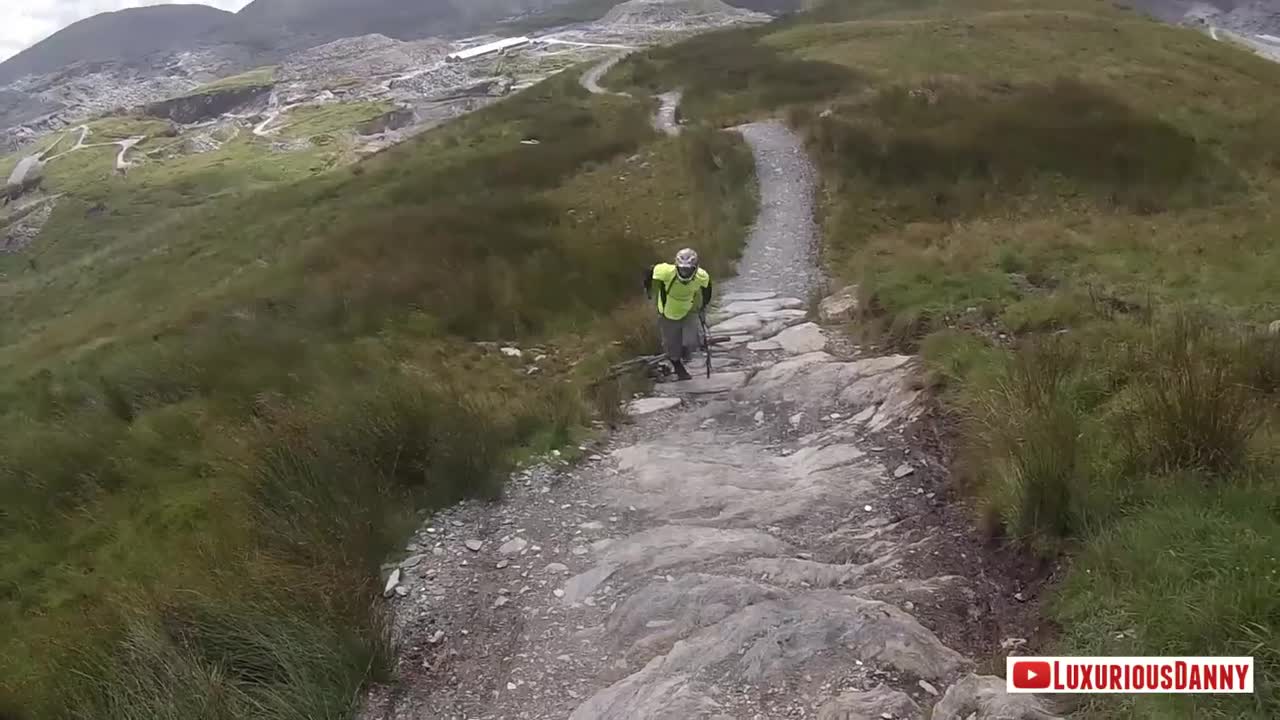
474,545
392,581
401,591
437,551
1012,643
412,562
502,564
501,601
436,638
759,417
866,508
556,568
1019,597
511,686
512,352
839,306
928,687
1274,328
796,419
558,593
513,546
904,470
593,525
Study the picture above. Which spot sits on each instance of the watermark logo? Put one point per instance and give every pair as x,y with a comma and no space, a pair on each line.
1208,675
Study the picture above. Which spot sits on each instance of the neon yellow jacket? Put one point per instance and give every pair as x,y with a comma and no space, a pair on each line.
675,298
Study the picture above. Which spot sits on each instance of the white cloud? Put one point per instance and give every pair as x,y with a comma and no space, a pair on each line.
24,23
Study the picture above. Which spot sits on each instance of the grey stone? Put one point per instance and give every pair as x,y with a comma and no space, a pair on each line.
903,470
474,545
763,640
717,383
513,546
736,482
984,698
648,406
734,297
801,339
879,702
750,322
28,174
670,546
840,306
761,306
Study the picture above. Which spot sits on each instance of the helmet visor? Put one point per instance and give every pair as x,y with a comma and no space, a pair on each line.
686,272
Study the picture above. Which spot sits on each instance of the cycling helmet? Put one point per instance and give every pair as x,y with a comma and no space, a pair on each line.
686,264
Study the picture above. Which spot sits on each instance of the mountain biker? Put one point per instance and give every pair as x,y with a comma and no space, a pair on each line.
679,287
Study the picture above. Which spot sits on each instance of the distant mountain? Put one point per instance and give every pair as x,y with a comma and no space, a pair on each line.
264,30
127,36
400,19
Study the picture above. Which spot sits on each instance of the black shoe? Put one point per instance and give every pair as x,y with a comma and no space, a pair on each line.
681,373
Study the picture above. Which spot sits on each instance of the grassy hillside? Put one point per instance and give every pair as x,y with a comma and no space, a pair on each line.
233,380
1069,210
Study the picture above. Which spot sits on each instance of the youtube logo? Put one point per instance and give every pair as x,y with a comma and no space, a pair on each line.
1031,674
1128,674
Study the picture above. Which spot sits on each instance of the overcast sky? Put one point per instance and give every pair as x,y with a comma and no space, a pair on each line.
24,23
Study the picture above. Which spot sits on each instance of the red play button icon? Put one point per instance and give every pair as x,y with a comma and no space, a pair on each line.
1031,674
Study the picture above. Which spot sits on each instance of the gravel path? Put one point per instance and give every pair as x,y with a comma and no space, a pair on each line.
781,253
591,78
740,551
665,120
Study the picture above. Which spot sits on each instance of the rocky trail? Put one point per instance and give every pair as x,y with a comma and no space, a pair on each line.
745,549
667,118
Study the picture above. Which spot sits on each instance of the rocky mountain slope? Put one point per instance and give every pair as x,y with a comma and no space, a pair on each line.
1247,17
127,37
141,55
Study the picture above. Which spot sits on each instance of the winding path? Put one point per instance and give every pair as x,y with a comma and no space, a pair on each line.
591,78
733,554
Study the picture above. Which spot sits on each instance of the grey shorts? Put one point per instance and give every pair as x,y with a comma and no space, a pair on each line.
680,337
